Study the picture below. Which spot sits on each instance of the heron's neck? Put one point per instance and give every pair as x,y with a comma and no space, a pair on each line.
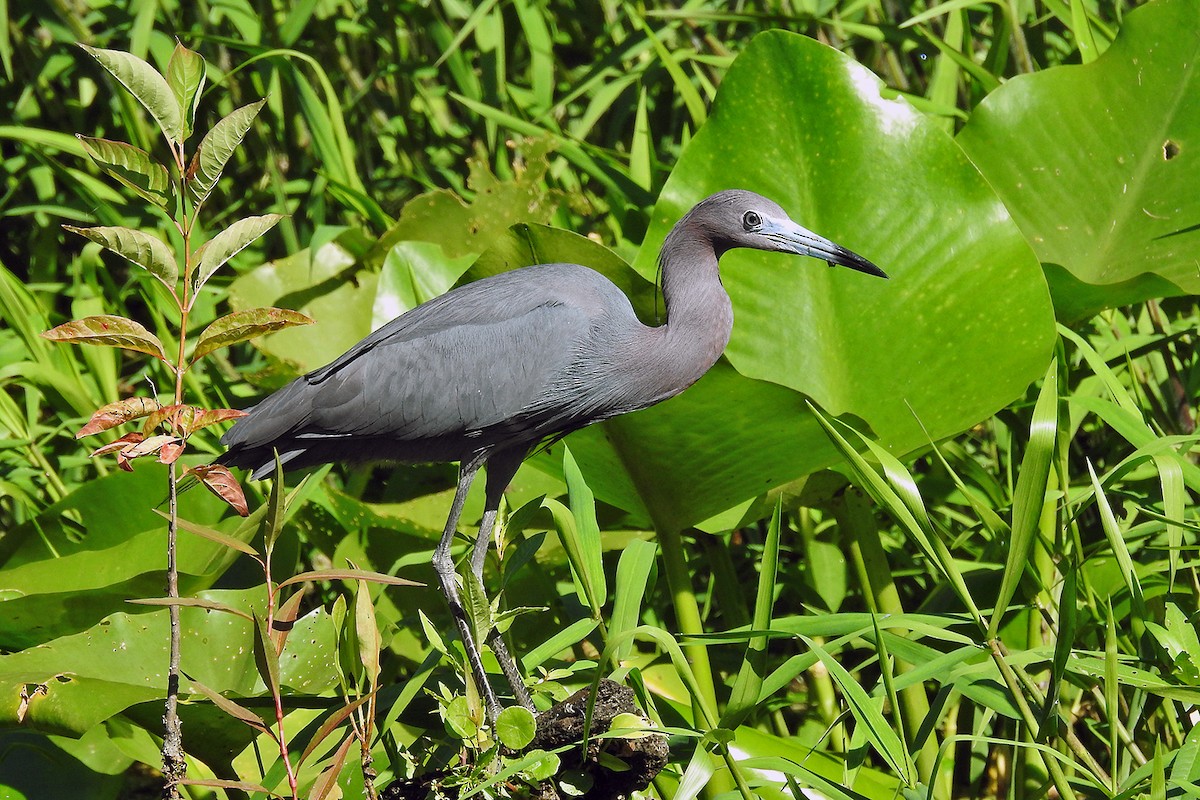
699,314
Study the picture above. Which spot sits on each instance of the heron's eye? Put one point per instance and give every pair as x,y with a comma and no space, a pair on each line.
751,221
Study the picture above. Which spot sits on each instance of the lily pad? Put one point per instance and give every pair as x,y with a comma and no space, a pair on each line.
1098,164
962,327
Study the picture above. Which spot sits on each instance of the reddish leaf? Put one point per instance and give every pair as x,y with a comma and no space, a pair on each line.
213,536
174,415
110,331
285,618
242,325
330,725
235,710
170,453
120,444
148,446
191,602
220,481
211,416
118,413
349,575
327,780
245,786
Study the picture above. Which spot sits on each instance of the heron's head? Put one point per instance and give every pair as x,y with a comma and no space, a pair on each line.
738,218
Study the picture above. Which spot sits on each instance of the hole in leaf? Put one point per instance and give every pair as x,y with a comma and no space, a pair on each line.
1170,150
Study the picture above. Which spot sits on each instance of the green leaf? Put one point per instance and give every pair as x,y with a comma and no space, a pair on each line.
544,767
148,252
272,525
846,159
631,587
871,721
336,296
242,325
109,331
1030,496
515,727
145,84
228,243
748,685
266,659
367,632
589,548
185,76
132,167
459,718
217,147
1096,165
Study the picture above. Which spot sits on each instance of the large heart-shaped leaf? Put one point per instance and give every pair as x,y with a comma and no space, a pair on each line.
1098,164
961,329
89,676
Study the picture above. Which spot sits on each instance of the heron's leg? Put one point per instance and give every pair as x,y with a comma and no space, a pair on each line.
501,469
443,562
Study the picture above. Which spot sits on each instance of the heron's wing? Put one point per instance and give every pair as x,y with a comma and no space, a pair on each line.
462,364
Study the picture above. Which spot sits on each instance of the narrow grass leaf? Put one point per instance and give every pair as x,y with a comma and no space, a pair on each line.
583,509
1175,501
1030,495
683,85
217,147
109,331
1084,40
630,588
148,252
185,76
1111,686
747,687
943,86
562,640
466,29
870,720
923,535
887,671
246,324
641,148
228,243
699,770
1068,623
1116,542
145,84
132,167
1158,774
1101,369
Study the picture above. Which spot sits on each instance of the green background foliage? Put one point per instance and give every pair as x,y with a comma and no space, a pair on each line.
980,579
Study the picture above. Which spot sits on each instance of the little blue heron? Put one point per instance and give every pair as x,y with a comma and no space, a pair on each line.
486,372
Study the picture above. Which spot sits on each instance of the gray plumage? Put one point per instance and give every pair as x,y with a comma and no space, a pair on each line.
485,372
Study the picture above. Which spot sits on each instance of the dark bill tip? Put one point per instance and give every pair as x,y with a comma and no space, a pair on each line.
846,258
